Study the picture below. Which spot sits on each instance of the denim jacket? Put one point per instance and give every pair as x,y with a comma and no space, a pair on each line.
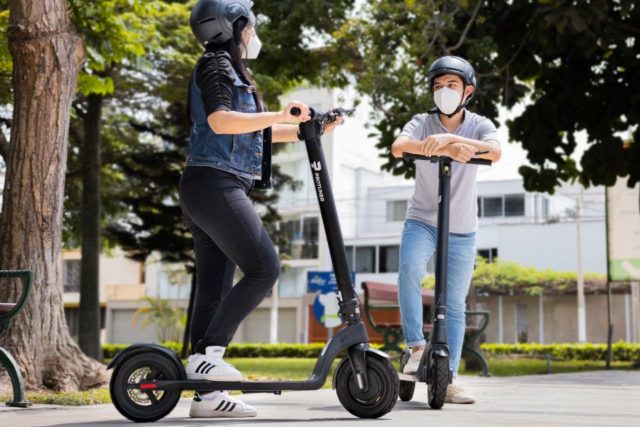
247,155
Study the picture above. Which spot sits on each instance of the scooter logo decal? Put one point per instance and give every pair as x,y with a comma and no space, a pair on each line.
317,167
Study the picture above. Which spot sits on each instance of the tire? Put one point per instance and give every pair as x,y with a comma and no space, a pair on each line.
144,406
407,388
383,390
438,382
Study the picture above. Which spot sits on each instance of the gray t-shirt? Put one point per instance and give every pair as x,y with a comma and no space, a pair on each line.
423,206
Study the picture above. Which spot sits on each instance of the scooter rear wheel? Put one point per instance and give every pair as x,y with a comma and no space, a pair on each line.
381,395
438,381
138,405
407,388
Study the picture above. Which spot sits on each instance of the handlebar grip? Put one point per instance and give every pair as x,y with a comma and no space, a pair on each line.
295,111
474,161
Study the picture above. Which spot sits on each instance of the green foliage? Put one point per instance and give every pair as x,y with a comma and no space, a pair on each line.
573,63
580,63
168,320
621,351
115,32
6,66
389,47
508,278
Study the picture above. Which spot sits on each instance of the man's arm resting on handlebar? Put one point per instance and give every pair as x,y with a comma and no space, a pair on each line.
492,147
404,144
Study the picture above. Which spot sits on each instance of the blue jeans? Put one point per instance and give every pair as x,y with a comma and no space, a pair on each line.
416,248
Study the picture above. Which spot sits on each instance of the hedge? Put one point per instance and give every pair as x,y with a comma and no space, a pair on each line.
621,351
624,352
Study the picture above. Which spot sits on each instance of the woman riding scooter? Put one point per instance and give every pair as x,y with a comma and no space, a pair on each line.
229,156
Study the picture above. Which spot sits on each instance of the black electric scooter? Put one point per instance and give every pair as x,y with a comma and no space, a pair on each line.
147,379
434,365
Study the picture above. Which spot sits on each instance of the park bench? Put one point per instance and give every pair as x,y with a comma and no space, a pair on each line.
8,311
384,296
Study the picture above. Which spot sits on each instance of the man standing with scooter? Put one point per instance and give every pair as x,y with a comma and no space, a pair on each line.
449,130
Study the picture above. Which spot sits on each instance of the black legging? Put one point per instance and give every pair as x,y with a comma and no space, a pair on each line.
227,232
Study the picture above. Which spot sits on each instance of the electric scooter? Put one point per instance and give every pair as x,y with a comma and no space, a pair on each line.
434,366
147,378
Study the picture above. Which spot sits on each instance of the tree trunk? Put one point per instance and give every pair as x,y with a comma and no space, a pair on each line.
47,54
89,312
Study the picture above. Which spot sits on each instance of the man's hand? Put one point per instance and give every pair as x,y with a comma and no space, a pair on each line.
433,144
459,152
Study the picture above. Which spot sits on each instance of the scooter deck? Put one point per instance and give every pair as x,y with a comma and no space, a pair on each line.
408,377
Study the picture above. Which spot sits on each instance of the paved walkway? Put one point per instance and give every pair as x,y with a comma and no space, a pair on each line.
583,399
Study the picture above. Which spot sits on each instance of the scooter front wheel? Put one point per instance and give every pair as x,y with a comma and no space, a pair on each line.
407,388
144,405
438,381
381,395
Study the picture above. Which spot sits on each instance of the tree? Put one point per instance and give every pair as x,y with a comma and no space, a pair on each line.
580,63
574,65
388,47
116,33
47,55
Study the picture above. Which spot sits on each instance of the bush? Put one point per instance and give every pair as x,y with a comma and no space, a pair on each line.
621,351
510,278
243,350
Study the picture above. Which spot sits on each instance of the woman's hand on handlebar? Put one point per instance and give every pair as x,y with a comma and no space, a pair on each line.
302,116
459,151
331,126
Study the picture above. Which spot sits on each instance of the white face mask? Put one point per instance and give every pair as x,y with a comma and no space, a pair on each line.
253,47
447,100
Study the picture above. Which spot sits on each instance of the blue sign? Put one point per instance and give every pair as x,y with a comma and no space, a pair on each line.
324,281
325,305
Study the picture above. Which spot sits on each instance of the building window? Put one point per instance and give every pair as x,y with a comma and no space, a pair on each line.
389,261
489,254
514,205
71,275
492,207
521,323
501,206
366,259
396,210
302,238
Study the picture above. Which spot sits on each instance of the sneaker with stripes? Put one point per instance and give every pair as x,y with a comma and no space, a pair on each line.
220,405
210,366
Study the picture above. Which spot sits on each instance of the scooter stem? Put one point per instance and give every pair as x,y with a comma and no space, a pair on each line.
439,335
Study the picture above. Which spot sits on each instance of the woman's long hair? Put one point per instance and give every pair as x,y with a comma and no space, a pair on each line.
236,47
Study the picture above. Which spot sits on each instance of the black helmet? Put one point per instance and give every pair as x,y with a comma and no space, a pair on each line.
454,65
212,20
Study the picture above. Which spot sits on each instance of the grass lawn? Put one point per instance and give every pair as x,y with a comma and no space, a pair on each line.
300,369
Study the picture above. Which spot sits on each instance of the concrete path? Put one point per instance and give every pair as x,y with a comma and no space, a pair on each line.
583,399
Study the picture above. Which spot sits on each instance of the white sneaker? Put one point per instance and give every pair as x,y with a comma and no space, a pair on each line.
414,361
210,366
456,394
220,405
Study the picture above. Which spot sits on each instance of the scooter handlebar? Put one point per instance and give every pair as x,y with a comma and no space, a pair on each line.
436,159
